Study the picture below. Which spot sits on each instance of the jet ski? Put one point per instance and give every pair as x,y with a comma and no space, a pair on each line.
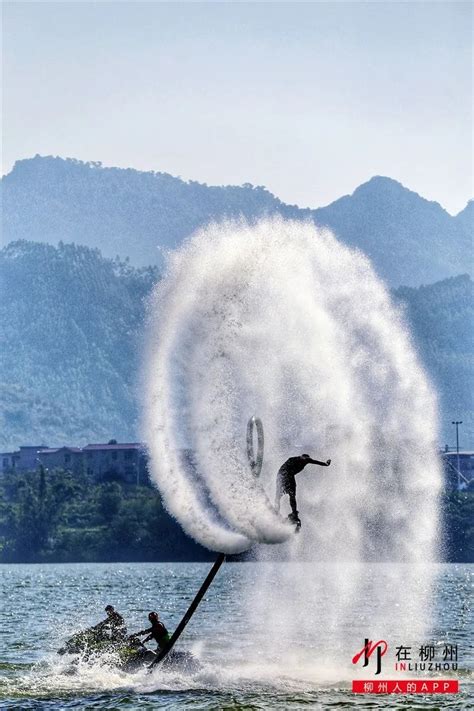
125,653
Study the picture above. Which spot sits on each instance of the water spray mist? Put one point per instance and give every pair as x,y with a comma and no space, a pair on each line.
280,320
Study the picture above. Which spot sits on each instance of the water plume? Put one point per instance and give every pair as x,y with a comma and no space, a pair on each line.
280,320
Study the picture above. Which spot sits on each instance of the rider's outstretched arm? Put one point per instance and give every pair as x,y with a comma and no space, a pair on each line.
139,634
321,464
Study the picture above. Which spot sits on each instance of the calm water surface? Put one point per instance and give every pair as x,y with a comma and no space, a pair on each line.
41,605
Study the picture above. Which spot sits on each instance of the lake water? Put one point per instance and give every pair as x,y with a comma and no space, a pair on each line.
42,605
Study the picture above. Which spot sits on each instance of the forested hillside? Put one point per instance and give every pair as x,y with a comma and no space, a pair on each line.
122,212
125,212
57,516
442,321
71,344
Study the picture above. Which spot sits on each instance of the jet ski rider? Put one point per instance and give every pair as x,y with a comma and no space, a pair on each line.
157,631
113,626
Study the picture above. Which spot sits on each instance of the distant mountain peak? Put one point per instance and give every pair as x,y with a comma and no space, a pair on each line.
30,168
383,187
381,181
124,211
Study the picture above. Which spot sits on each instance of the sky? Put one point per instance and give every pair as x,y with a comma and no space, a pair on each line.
309,99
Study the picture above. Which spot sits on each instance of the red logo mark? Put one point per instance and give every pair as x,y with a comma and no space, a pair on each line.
368,649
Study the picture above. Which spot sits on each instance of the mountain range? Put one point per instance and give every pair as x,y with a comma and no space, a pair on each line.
410,240
70,344
72,310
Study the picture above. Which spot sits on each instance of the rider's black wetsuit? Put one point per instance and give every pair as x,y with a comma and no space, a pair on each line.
286,482
158,632
113,626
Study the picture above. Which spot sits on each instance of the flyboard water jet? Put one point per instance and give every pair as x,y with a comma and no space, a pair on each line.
278,317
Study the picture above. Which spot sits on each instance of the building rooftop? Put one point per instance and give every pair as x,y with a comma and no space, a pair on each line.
126,445
34,446
52,450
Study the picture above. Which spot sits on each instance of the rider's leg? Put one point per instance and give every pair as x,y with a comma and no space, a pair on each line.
294,510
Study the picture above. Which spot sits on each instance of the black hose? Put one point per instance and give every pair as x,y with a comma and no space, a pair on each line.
190,611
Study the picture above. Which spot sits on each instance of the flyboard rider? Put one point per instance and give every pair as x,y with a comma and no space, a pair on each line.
286,482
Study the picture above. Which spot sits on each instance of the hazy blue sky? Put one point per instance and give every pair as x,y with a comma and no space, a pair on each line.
309,99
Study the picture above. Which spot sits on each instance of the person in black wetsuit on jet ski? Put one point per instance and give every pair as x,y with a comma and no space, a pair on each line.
286,482
157,631
113,626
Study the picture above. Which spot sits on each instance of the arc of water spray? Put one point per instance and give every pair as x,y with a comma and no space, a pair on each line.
280,318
